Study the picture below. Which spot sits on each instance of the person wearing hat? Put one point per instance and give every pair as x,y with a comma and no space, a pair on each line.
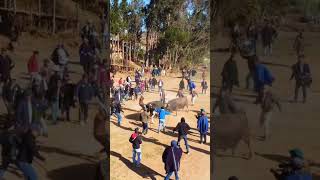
203,127
267,106
171,158
162,118
302,74
144,117
6,65
24,112
136,142
183,128
33,64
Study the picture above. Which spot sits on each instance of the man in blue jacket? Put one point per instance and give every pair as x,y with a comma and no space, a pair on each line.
203,127
162,118
171,159
262,77
84,93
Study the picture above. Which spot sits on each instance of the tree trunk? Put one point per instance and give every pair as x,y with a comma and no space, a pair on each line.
54,17
123,54
147,49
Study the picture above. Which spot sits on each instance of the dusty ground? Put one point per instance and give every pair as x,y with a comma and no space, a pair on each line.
296,126
70,149
196,165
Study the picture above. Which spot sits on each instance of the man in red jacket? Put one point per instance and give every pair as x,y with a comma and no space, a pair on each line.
33,64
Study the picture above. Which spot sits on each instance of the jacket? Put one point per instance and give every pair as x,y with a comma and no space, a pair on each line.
230,73
262,76
86,53
203,124
182,128
135,139
300,74
84,92
171,158
33,65
162,113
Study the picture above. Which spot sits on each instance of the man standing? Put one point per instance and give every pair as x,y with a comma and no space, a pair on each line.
268,33
267,106
84,93
24,112
230,74
54,87
160,85
144,117
171,158
117,112
203,127
136,141
162,118
86,55
33,64
298,44
6,65
182,128
301,73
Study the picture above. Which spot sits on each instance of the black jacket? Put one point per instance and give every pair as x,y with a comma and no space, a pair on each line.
182,128
136,141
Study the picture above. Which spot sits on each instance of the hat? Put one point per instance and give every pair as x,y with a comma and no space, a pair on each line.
296,153
173,143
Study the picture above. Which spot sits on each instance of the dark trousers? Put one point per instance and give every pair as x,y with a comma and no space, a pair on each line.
184,137
145,128
304,91
203,137
66,111
83,111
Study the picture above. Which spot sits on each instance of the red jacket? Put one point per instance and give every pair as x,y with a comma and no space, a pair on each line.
33,65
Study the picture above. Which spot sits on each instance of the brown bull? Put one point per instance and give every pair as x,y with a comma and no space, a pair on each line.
230,129
177,104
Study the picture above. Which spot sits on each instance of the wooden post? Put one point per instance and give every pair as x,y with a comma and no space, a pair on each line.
54,17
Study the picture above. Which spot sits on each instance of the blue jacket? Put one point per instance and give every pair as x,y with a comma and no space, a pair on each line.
162,113
192,85
262,76
84,92
203,124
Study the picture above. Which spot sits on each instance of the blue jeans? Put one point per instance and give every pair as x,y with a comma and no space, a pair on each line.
185,141
119,118
161,125
134,154
55,111
170,174
26,168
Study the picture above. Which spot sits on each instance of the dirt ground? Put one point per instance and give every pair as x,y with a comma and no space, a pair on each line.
296,126
70,150
196,165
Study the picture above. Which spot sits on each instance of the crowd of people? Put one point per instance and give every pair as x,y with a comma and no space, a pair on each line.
245,42
151,80
48,97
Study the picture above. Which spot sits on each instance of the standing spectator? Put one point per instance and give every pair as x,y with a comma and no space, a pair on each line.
268,34
262,77
183,128
163,96
203,127
6,65
45,70
33,64
154,83
84,94
54,88
230,74
117,112
144,117
146,85
86,55
162,118
252,34
24,112
60,56
204,86
301,73
298,44
67,100
171,158
136,141
160,85
267,106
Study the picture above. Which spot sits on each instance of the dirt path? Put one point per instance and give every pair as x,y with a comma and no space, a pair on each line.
196,165
296,126
70,149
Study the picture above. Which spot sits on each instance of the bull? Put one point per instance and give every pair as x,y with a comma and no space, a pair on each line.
177,104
